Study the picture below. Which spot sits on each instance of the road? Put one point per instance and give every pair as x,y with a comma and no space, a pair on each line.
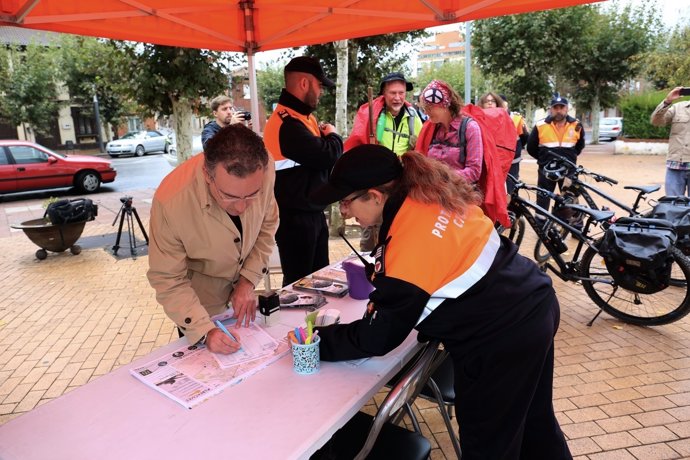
133,173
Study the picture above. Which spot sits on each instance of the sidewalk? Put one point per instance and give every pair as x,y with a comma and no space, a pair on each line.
620,391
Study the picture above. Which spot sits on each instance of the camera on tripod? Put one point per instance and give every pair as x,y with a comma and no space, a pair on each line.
125,214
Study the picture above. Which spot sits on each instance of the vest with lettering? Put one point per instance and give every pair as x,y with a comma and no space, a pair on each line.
461,248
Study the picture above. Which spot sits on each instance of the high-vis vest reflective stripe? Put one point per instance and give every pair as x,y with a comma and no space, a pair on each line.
442,253
549,136
272,130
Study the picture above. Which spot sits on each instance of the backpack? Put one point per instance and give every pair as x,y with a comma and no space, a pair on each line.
498,141
637,253
675,209
67,211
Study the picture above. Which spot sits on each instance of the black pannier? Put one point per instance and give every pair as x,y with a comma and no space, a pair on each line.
675,209
637,253
67,211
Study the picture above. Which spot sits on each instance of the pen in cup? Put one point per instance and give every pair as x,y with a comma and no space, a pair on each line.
222,327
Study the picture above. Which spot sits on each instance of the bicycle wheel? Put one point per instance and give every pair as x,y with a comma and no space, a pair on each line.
663,307
541,254
516,232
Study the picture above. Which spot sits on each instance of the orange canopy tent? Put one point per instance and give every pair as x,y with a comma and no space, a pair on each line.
252,25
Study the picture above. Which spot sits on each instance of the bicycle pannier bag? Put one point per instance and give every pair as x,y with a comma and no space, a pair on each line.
637,253
68,211
675,209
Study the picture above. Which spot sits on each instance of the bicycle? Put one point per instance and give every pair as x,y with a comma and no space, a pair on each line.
587,266
562,168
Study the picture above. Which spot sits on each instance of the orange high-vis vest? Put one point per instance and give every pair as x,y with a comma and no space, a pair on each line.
519,123
459,250
272,131
551,137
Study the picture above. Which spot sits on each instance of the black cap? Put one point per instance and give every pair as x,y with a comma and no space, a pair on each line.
395,76
361,168
311,66
558,100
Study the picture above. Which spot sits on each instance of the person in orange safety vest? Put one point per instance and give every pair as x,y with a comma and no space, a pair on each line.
441,268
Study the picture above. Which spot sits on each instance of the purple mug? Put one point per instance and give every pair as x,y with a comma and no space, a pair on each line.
359,286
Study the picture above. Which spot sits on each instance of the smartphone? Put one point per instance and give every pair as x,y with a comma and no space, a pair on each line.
685,91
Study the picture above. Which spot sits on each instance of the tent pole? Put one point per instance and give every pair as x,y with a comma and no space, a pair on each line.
468,62
253,92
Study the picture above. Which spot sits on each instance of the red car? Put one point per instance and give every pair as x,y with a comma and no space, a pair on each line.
27,166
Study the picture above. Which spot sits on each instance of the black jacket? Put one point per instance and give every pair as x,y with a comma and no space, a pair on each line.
210,130
539,152
316,157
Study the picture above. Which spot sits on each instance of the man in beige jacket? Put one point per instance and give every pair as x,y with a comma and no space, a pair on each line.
213,221
678,158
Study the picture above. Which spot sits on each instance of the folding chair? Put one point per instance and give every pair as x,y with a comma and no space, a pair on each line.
440,388
378,437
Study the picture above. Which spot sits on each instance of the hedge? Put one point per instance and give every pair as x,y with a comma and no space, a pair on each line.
637,108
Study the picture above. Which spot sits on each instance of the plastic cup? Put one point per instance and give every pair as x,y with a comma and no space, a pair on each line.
305,357
359,286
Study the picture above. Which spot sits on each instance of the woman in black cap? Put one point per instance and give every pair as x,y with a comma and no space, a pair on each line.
443,270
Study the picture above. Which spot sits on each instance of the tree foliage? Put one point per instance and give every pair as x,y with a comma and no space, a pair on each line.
668,65
524,52
29,86
170,80
370,58
608,54
91,65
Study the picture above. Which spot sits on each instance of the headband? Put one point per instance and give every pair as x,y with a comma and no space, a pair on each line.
437,93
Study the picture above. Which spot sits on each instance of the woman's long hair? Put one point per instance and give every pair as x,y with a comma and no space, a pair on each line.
430,181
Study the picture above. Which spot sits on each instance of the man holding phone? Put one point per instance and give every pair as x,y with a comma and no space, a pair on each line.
678,159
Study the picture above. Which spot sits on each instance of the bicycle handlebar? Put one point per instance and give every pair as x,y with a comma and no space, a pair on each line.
575,169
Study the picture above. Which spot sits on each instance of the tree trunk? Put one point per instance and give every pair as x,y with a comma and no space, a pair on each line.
596,107
341,87
342,58
529,114
182,110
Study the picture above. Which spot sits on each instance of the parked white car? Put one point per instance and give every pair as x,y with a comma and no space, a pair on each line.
171,155
610,128
138,143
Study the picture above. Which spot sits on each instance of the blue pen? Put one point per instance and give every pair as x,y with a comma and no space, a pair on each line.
222,327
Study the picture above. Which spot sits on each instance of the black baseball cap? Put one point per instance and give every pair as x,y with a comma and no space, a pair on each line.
361,168
311,66
558,100
395,76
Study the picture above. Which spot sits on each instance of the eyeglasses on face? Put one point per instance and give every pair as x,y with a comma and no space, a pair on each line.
226,197
348,201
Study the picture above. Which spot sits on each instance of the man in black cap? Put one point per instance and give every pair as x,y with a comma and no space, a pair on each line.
304,152
397,126
558,133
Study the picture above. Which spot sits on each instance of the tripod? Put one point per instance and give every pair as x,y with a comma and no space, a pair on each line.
127,210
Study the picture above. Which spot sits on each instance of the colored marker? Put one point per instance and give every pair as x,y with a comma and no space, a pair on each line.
222,327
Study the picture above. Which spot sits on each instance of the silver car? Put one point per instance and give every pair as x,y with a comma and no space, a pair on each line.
610,128
138,143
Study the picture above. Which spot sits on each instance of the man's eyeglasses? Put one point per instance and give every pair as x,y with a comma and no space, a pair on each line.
232,198
348,201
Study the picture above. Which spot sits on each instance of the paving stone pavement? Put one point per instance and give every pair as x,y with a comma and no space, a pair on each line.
620,391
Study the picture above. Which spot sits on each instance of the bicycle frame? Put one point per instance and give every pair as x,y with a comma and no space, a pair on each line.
567,270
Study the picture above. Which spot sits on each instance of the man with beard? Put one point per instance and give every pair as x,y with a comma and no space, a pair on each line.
559,133
224,115
304,152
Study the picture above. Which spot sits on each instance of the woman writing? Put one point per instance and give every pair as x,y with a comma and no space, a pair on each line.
443,270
